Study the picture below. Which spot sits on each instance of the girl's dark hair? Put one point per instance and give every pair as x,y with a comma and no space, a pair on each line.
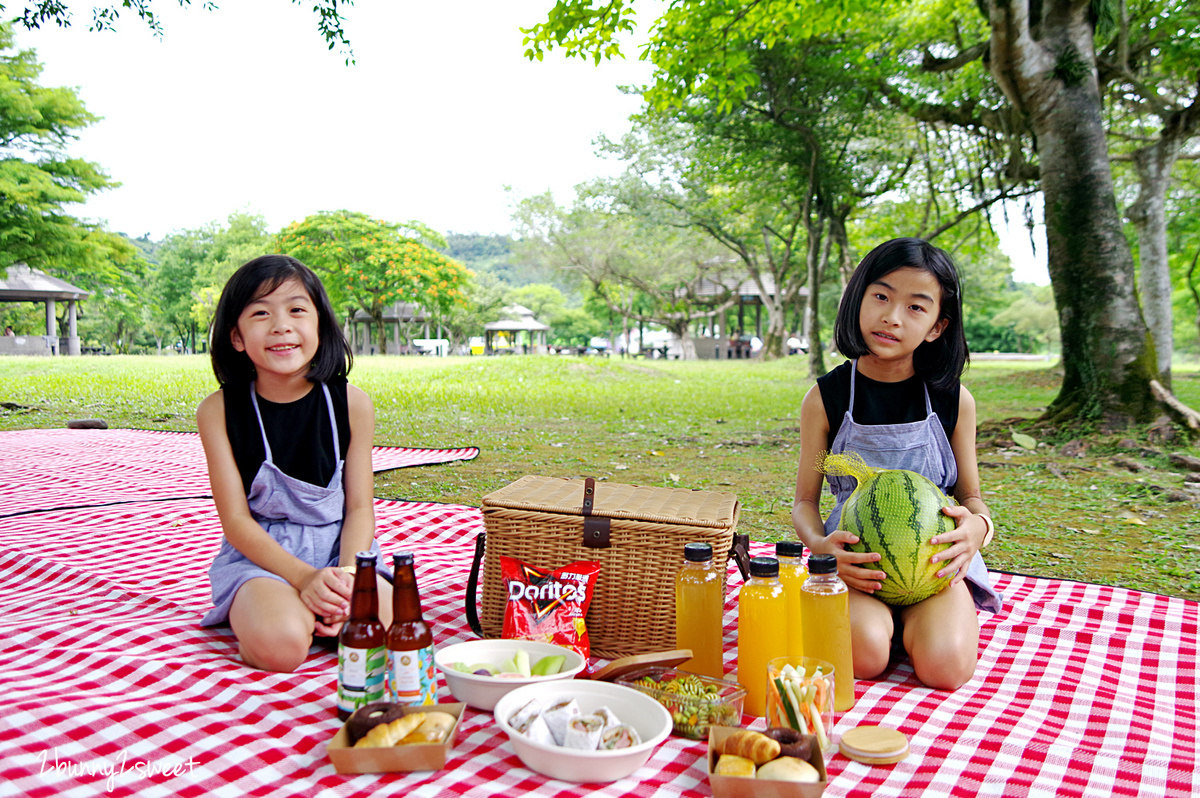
256,279
939,362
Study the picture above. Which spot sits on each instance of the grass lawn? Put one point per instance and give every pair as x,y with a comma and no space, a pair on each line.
1105,508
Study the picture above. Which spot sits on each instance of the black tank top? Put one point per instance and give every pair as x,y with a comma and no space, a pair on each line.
301,440
883,402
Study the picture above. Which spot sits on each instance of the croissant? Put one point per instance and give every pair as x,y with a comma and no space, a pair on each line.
385,735
758,748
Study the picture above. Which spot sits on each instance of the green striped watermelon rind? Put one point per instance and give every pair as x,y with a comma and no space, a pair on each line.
895,513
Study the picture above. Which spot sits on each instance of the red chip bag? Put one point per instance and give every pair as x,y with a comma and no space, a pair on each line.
548,606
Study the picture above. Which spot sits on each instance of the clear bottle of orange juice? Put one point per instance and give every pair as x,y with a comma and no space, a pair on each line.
700,611
825,605
792,574
762,630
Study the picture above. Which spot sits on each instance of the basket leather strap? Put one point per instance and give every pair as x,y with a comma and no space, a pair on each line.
473,584
595,528
740,552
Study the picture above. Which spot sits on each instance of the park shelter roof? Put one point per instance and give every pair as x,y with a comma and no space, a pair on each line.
521,318
743,287
23,284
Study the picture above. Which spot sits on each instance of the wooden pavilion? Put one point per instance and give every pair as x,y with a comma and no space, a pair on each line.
23,284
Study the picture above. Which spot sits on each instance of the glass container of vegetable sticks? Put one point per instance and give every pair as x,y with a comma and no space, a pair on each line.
800,696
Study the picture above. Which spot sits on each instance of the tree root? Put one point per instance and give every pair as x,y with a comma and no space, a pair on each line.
1175,408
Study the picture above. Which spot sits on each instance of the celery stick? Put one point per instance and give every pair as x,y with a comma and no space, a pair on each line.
818,721
794,708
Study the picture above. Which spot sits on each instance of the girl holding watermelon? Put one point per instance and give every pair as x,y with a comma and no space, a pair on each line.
899,404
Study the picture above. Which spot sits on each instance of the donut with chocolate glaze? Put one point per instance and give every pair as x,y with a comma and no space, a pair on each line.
791,742
368,717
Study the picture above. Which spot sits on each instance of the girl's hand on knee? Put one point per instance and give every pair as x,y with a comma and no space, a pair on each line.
326,593
966,538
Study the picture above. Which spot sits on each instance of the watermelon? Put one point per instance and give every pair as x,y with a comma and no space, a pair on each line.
895,513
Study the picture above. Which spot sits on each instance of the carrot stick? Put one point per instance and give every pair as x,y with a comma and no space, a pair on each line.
822,686
773,706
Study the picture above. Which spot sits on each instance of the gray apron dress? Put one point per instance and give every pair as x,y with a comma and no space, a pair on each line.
305,519
920,446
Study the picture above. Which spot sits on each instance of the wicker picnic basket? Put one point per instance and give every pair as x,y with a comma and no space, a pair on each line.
637,534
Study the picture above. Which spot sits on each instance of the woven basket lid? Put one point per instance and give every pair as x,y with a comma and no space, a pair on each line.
614,500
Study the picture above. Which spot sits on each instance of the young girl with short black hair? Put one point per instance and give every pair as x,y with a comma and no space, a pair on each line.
288,443
899,404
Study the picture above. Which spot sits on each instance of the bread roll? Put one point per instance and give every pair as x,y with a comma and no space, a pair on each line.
433,729
789,768
734,765
755,746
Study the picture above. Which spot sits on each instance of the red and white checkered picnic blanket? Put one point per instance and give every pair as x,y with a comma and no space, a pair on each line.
43,469
111,687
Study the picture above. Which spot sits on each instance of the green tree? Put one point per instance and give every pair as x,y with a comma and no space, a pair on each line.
38,181
575,327
1042,56
643,271
35,13
371,264
546,301
1152,99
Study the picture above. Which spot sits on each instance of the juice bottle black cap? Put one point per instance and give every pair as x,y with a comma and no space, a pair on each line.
789,548
822,564
697,552
402,559
764,566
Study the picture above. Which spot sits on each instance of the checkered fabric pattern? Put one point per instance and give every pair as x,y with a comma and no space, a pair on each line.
50,469
111,688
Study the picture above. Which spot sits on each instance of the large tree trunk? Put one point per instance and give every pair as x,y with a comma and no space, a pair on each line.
774,338
381,330
1107,354
1149,216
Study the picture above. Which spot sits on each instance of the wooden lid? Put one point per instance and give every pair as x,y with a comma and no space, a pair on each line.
620,667
874,745
676,506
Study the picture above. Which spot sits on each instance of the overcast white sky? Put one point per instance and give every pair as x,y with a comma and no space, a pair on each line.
244,108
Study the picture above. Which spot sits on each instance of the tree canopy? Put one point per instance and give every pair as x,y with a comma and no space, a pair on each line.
1012,72
105,16
38,179
370,264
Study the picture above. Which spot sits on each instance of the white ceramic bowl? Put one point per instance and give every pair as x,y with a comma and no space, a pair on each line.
482,692
650,718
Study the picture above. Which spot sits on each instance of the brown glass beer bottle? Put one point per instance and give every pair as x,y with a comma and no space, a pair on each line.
362,657
412,677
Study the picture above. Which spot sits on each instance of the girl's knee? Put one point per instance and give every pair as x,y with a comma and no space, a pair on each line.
870,660
946,667
278,650
871,648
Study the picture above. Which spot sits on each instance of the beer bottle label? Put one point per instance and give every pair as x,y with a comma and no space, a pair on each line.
414,678
360,676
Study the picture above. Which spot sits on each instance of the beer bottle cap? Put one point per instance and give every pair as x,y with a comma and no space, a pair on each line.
402,559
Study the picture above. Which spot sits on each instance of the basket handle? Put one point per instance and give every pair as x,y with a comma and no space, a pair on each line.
595,528
473,585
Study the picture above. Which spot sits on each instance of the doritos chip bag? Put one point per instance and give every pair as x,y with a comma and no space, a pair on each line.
548,606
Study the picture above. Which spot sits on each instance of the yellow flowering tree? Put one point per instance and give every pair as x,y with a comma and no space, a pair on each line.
370,264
